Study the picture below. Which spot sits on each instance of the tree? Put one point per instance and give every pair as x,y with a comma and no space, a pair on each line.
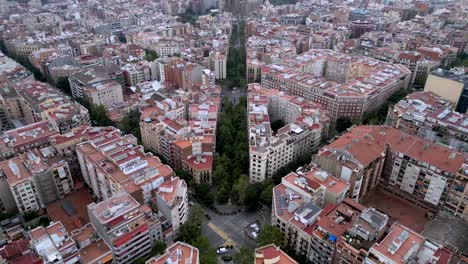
197,215
252,200
267,193
222,196
191,234
64,85
245,256
30,215
5,215
239,190
269,235
188,233
184,176
150,55
343,123
207,254
130,123
203,193
99,116
122,37
158,248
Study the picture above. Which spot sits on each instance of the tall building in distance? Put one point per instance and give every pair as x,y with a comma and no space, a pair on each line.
346,85
431,117
451,85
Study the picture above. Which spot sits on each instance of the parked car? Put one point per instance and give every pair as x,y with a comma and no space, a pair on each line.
221,250
208,216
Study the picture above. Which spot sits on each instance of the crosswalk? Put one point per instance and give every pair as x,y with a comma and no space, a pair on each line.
222,234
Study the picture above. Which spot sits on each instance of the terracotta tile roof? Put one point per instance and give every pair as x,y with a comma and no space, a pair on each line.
272,254
366,143
183,252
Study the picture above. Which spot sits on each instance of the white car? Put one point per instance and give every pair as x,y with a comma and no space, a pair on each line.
221,250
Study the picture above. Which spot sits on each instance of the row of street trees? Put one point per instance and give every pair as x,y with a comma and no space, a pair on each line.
235,68
191,233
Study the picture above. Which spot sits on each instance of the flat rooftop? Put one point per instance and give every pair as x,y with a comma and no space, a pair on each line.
447,229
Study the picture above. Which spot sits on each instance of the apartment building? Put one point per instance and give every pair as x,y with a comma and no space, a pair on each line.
20,140
419,66
158,135
172,201
272,254
183,131
268,151
51,174
10,105
297,204
401,245
195,155
65,144
457,199
40,102
431,117
355,242
19,191
452,85
137,73
180,74
445,54
93,75
346,85
128,228
4,121
107,93
33,179
92,248
355,158
178,252
54,244
111,164
218,63
263,50
399,162
410,172
331,225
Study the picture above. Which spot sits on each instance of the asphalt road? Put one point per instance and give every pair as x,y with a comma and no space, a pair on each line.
233,95
224,230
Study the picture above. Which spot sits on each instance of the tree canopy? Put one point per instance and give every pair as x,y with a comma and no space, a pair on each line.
130,123
150,55
244,256
343,123
202,192
269,235
236,61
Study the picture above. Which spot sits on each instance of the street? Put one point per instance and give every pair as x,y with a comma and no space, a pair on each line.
233,94
225,230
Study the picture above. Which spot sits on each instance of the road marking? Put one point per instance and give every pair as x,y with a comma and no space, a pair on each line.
222,234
